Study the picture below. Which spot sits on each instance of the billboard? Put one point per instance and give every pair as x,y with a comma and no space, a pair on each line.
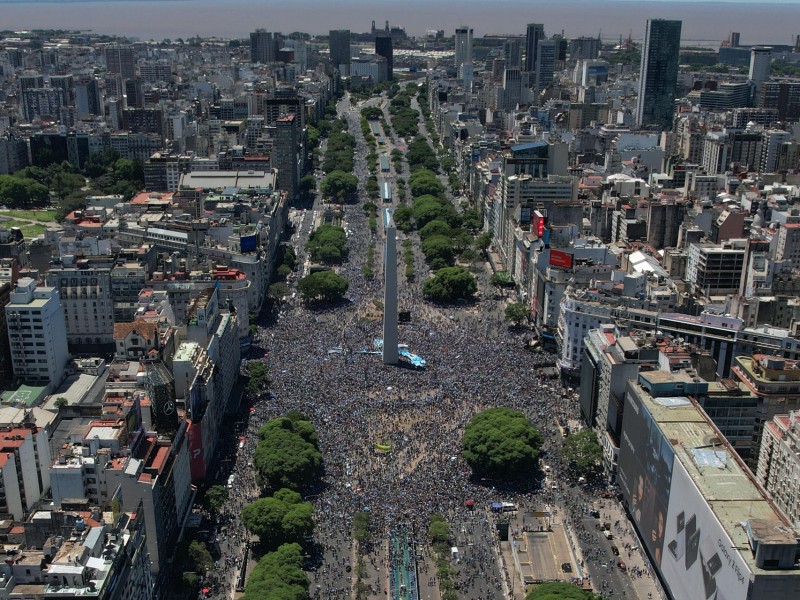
558,258
700,561
538,223
645,474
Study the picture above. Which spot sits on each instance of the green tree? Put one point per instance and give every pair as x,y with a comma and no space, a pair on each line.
287,455
277,291
191,581
560,591
501,443
339,185
60,401
439,531
307,184
361,527
215,498
200,556
279,576
450,284
483,241
280,518
424,182
516,312
404,218
582,452
323,286
327,244
259,378
435,227
438,249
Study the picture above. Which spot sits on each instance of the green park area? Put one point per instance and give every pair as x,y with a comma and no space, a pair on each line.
24,219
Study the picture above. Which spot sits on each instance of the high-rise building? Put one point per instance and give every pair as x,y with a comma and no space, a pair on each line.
512,51
87,97
121,59
263,46
760,62
286,154
779,463
545,64
534,33
339,44
658,76
383,47
584,48
37,333
463,49
134,93
42,102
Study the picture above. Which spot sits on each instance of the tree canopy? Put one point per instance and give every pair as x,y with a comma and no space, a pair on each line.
215,497
339,185
516,312
501,443
280,518
423,182
560,591
582,452
327,244
287,455
279,576
323,286
450,284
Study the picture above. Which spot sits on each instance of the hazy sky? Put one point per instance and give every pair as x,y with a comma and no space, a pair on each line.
777,21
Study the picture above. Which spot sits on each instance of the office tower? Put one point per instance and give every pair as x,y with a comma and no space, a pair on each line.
263,46
584,47
734,39
512,51
66,83
464,55
390,354
658,76
512,88
534,34
339,44
383,47
300,55
134,94
760,62
120,59
545,64
286,155
87,97
37,333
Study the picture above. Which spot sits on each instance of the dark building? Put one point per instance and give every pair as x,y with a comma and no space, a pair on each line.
144,120
783,96
535,33
339,44
286,154
134,94
584,47
48,148
121,59
264,46
383,47
658,76
6,370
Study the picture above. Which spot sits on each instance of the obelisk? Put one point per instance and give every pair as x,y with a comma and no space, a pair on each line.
390,356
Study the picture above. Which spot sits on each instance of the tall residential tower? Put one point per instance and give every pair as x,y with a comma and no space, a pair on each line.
658,76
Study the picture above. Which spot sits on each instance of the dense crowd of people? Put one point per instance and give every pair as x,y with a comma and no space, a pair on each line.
390,436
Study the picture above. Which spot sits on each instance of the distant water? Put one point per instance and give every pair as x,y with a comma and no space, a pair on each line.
758,23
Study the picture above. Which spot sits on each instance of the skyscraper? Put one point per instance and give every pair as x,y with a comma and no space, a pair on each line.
120,59
545,63
286,154
760,63
534,34
339,44
263,46
658,76
512,50
464,54
383,47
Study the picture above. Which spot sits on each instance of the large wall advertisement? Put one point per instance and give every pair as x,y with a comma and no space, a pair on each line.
699,560
645,474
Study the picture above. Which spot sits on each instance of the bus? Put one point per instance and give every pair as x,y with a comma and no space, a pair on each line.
386,192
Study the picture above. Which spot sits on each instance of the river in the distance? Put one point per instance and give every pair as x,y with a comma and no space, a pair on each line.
758,23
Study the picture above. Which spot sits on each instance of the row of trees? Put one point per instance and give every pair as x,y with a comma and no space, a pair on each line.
405,119
287,460
287,455
327,244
